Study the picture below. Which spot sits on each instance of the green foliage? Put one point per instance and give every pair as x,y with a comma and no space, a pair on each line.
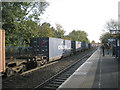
93,42
67,37
104,37
59,33
45,30
17,21
79,36
20,21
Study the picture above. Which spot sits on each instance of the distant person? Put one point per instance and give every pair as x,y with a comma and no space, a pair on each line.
103,48
113,49
107,48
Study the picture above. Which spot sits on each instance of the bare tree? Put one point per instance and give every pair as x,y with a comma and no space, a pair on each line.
112,25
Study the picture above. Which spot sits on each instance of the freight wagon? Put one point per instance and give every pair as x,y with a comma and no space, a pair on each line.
6,65
67,48
84,46
52,48
76,46
90,45
41,51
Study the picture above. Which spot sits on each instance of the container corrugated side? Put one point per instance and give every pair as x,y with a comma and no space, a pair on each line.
67,48
78,45
55,48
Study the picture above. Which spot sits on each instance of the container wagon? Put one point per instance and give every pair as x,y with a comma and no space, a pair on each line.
41,51
84,46
76,46
90,45
11,65
66,48
14,63
52,48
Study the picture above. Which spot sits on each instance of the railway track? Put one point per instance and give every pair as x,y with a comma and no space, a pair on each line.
55,81
27,72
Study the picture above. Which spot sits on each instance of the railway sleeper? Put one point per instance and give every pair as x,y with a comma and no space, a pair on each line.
56,82
59,80
53,85
69,72
65,75
62,78
47,87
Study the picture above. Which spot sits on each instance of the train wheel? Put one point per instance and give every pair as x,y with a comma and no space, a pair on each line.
38,64
35,63
9,72
45,61
24,68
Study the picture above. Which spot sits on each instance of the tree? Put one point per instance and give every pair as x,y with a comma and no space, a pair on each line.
112,25
79,36
59,31
19,20
104,37
93,42
46,30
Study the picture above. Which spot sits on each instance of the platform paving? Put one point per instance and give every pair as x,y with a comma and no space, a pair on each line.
107,74
97,72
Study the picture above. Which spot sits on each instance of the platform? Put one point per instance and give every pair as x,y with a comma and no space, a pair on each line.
97,72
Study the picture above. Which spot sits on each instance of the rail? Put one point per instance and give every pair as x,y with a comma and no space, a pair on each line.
55,81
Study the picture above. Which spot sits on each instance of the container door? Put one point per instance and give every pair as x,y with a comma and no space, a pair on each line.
44,47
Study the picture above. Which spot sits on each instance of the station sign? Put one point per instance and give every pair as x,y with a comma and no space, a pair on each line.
114,35
111,40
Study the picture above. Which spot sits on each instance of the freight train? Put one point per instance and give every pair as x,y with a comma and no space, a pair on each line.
41,51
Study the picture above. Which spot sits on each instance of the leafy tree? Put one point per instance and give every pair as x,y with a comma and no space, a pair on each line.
67,37
19,20
110,25
46,30
93,41
104,37
79,36
59,31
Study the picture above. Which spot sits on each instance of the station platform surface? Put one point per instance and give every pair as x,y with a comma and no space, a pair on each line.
97,72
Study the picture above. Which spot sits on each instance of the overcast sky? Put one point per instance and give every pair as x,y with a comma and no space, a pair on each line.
87,15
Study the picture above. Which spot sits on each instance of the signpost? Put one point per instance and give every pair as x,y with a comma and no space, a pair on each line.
111,40
115,34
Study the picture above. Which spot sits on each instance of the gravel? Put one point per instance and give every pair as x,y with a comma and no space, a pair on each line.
37,77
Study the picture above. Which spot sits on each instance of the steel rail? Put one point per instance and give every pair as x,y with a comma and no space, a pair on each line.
55,81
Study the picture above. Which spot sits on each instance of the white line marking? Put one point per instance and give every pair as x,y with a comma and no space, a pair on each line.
100,70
